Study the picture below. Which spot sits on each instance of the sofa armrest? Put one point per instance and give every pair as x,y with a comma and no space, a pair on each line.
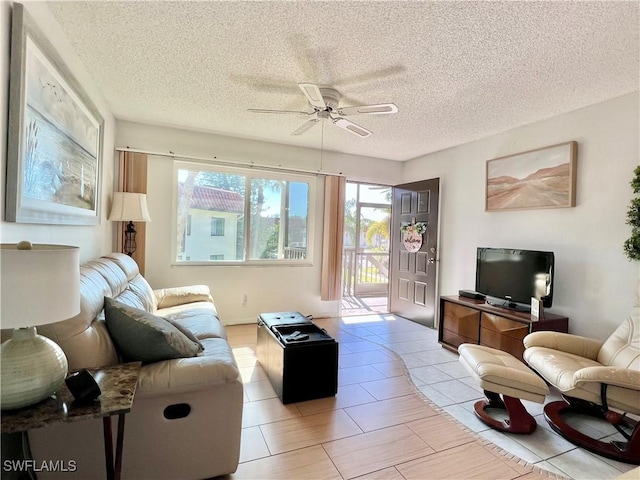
620,377
564,342
169,297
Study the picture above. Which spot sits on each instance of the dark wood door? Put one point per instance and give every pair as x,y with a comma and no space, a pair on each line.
413,274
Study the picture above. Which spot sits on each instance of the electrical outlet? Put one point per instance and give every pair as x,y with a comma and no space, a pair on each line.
244,299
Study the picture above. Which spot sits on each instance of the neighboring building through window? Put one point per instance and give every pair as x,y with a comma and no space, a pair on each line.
242,215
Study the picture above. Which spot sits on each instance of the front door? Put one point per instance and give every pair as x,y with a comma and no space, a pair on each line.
413,265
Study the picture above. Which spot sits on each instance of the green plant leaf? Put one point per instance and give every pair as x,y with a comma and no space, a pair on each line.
632,245
635,183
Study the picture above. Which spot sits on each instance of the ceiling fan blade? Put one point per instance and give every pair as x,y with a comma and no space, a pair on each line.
351,127
379,109
370,76
304,127
313,94
259,110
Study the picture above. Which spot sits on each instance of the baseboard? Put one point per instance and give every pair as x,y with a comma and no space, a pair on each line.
253,320
240,321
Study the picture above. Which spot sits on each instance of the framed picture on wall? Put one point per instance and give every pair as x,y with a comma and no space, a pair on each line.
55,135
541,178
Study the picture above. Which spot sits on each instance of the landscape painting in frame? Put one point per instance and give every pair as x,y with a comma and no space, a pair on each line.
55,137
542,178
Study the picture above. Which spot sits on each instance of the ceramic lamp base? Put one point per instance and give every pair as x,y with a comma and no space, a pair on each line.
33,368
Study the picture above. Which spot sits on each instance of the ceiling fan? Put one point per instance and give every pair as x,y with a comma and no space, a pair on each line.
324,102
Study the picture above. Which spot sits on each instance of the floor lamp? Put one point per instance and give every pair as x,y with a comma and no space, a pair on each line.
129,207
40,285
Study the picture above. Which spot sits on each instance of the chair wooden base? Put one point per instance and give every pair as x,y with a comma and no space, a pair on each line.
627,452
519,421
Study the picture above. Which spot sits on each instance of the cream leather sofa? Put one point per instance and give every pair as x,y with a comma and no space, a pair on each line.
206,442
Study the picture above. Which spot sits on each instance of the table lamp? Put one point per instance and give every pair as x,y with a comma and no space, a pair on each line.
39,285
129,207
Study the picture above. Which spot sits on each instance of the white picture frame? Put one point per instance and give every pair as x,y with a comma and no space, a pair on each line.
55,136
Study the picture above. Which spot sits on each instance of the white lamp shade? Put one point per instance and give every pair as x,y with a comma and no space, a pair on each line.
38,286
129,207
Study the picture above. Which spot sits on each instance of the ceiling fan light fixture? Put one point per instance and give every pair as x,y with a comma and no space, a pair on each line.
324,102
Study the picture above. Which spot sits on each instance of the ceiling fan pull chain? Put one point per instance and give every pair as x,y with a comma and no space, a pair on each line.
321,146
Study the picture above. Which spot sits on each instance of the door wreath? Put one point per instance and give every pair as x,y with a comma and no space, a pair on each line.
412,235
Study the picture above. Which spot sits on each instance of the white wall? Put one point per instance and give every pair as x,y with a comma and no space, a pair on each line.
281,288
92,240
241,150
595,283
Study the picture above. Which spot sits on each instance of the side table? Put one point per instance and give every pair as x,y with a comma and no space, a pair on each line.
118,386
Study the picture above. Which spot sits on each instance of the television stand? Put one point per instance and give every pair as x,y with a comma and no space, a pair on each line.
496,302
469,320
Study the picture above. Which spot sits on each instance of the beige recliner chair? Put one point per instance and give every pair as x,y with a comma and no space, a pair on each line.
595,378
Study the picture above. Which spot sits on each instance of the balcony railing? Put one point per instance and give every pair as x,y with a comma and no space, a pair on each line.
365,273
295,253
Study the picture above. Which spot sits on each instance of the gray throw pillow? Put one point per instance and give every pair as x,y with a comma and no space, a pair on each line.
187,333
142,336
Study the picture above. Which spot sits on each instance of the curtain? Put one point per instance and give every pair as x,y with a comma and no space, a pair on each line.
334,192
132,177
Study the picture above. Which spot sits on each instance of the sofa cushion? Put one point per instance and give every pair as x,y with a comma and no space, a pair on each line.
186,333
137,284
169,297
216,366
622,348
199,318
142,336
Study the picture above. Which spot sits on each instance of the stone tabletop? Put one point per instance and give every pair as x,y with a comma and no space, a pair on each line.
117,384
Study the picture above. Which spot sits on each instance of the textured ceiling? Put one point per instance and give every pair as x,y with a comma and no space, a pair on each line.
457,71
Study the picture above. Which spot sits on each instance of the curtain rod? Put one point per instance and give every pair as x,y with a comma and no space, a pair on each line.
228,163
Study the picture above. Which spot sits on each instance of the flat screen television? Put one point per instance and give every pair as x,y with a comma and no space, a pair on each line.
510,277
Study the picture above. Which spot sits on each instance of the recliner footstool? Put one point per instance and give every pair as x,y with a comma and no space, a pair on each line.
500,373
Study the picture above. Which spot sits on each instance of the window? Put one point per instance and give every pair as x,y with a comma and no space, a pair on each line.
217,227
245,216
187,233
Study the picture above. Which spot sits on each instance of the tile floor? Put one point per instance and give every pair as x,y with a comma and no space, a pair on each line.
403,411
351,305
